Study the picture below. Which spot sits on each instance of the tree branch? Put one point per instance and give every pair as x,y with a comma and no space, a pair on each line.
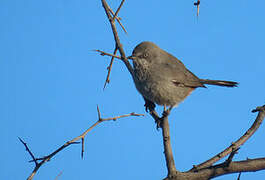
102,53
234,167
110,67
167,146
115,16
116,37
236,144
73,141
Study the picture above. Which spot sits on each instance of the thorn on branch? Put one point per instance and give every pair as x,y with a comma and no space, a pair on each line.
102,53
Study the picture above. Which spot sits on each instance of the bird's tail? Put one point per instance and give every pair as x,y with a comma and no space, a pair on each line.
219,83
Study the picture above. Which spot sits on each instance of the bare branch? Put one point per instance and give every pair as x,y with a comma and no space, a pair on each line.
239,142
110,67
250,165
29,151
118,10
116,37
167,145
119,21
73,141
115,16
99,114
219,170
102,53
118,18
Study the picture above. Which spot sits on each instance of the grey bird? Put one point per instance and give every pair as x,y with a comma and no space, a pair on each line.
163,79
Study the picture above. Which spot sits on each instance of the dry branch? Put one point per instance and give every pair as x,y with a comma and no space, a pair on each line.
238,143
115,16
102,53
116,37
73,141
110,67
167,147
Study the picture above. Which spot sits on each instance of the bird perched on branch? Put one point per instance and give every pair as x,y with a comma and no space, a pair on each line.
163,79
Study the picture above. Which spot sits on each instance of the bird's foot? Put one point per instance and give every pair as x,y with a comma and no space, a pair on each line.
166,112
149,105
159,123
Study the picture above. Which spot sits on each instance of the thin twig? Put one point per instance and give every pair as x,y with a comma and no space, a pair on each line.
115,16
110,67
99,114
29,151
118,10
102,53
238,143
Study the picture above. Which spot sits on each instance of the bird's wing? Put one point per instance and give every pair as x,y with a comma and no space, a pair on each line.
179,74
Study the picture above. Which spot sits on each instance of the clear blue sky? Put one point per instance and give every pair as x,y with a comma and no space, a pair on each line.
51,82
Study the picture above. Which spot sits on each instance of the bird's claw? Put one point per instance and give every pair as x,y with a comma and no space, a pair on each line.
149,105
159,123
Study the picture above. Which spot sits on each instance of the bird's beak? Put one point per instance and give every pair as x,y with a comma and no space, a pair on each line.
131,57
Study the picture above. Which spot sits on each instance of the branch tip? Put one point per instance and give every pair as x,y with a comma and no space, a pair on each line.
29,151
99,115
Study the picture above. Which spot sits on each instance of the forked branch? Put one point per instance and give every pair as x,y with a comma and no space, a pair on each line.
237,143
116,36
40,161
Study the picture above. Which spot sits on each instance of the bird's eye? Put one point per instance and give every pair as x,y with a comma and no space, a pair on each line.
145,55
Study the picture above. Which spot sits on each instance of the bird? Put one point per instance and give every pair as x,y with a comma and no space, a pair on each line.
163,79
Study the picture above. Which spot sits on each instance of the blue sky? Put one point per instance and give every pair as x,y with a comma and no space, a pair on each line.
52,81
